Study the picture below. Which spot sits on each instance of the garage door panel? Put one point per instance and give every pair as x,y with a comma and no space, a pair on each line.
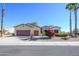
23,32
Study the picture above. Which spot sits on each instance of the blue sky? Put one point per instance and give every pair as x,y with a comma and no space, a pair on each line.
43,13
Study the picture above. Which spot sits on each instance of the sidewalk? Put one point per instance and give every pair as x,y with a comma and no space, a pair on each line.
49,42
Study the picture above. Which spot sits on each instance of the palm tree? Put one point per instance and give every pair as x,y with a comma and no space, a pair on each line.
2,30
69,7
75,8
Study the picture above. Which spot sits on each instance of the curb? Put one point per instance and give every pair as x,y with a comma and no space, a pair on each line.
43,43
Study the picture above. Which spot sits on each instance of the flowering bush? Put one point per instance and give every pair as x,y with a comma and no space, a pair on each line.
49,33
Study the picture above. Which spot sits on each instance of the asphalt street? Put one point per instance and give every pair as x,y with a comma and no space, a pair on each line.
39,50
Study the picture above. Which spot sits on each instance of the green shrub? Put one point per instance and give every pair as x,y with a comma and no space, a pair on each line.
65,38
7,33
61,35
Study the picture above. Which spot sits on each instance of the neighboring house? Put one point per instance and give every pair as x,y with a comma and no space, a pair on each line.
9,30
56,29
77,31
27,30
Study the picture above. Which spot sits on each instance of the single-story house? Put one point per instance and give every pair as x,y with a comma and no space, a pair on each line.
27,30
56,29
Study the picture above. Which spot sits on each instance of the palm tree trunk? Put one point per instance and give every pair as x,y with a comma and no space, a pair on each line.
75,13
70,24
2,20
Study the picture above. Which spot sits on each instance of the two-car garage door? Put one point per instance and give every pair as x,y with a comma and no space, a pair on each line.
26,33
23,32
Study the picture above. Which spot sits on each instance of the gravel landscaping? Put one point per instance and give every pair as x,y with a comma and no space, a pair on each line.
20,41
